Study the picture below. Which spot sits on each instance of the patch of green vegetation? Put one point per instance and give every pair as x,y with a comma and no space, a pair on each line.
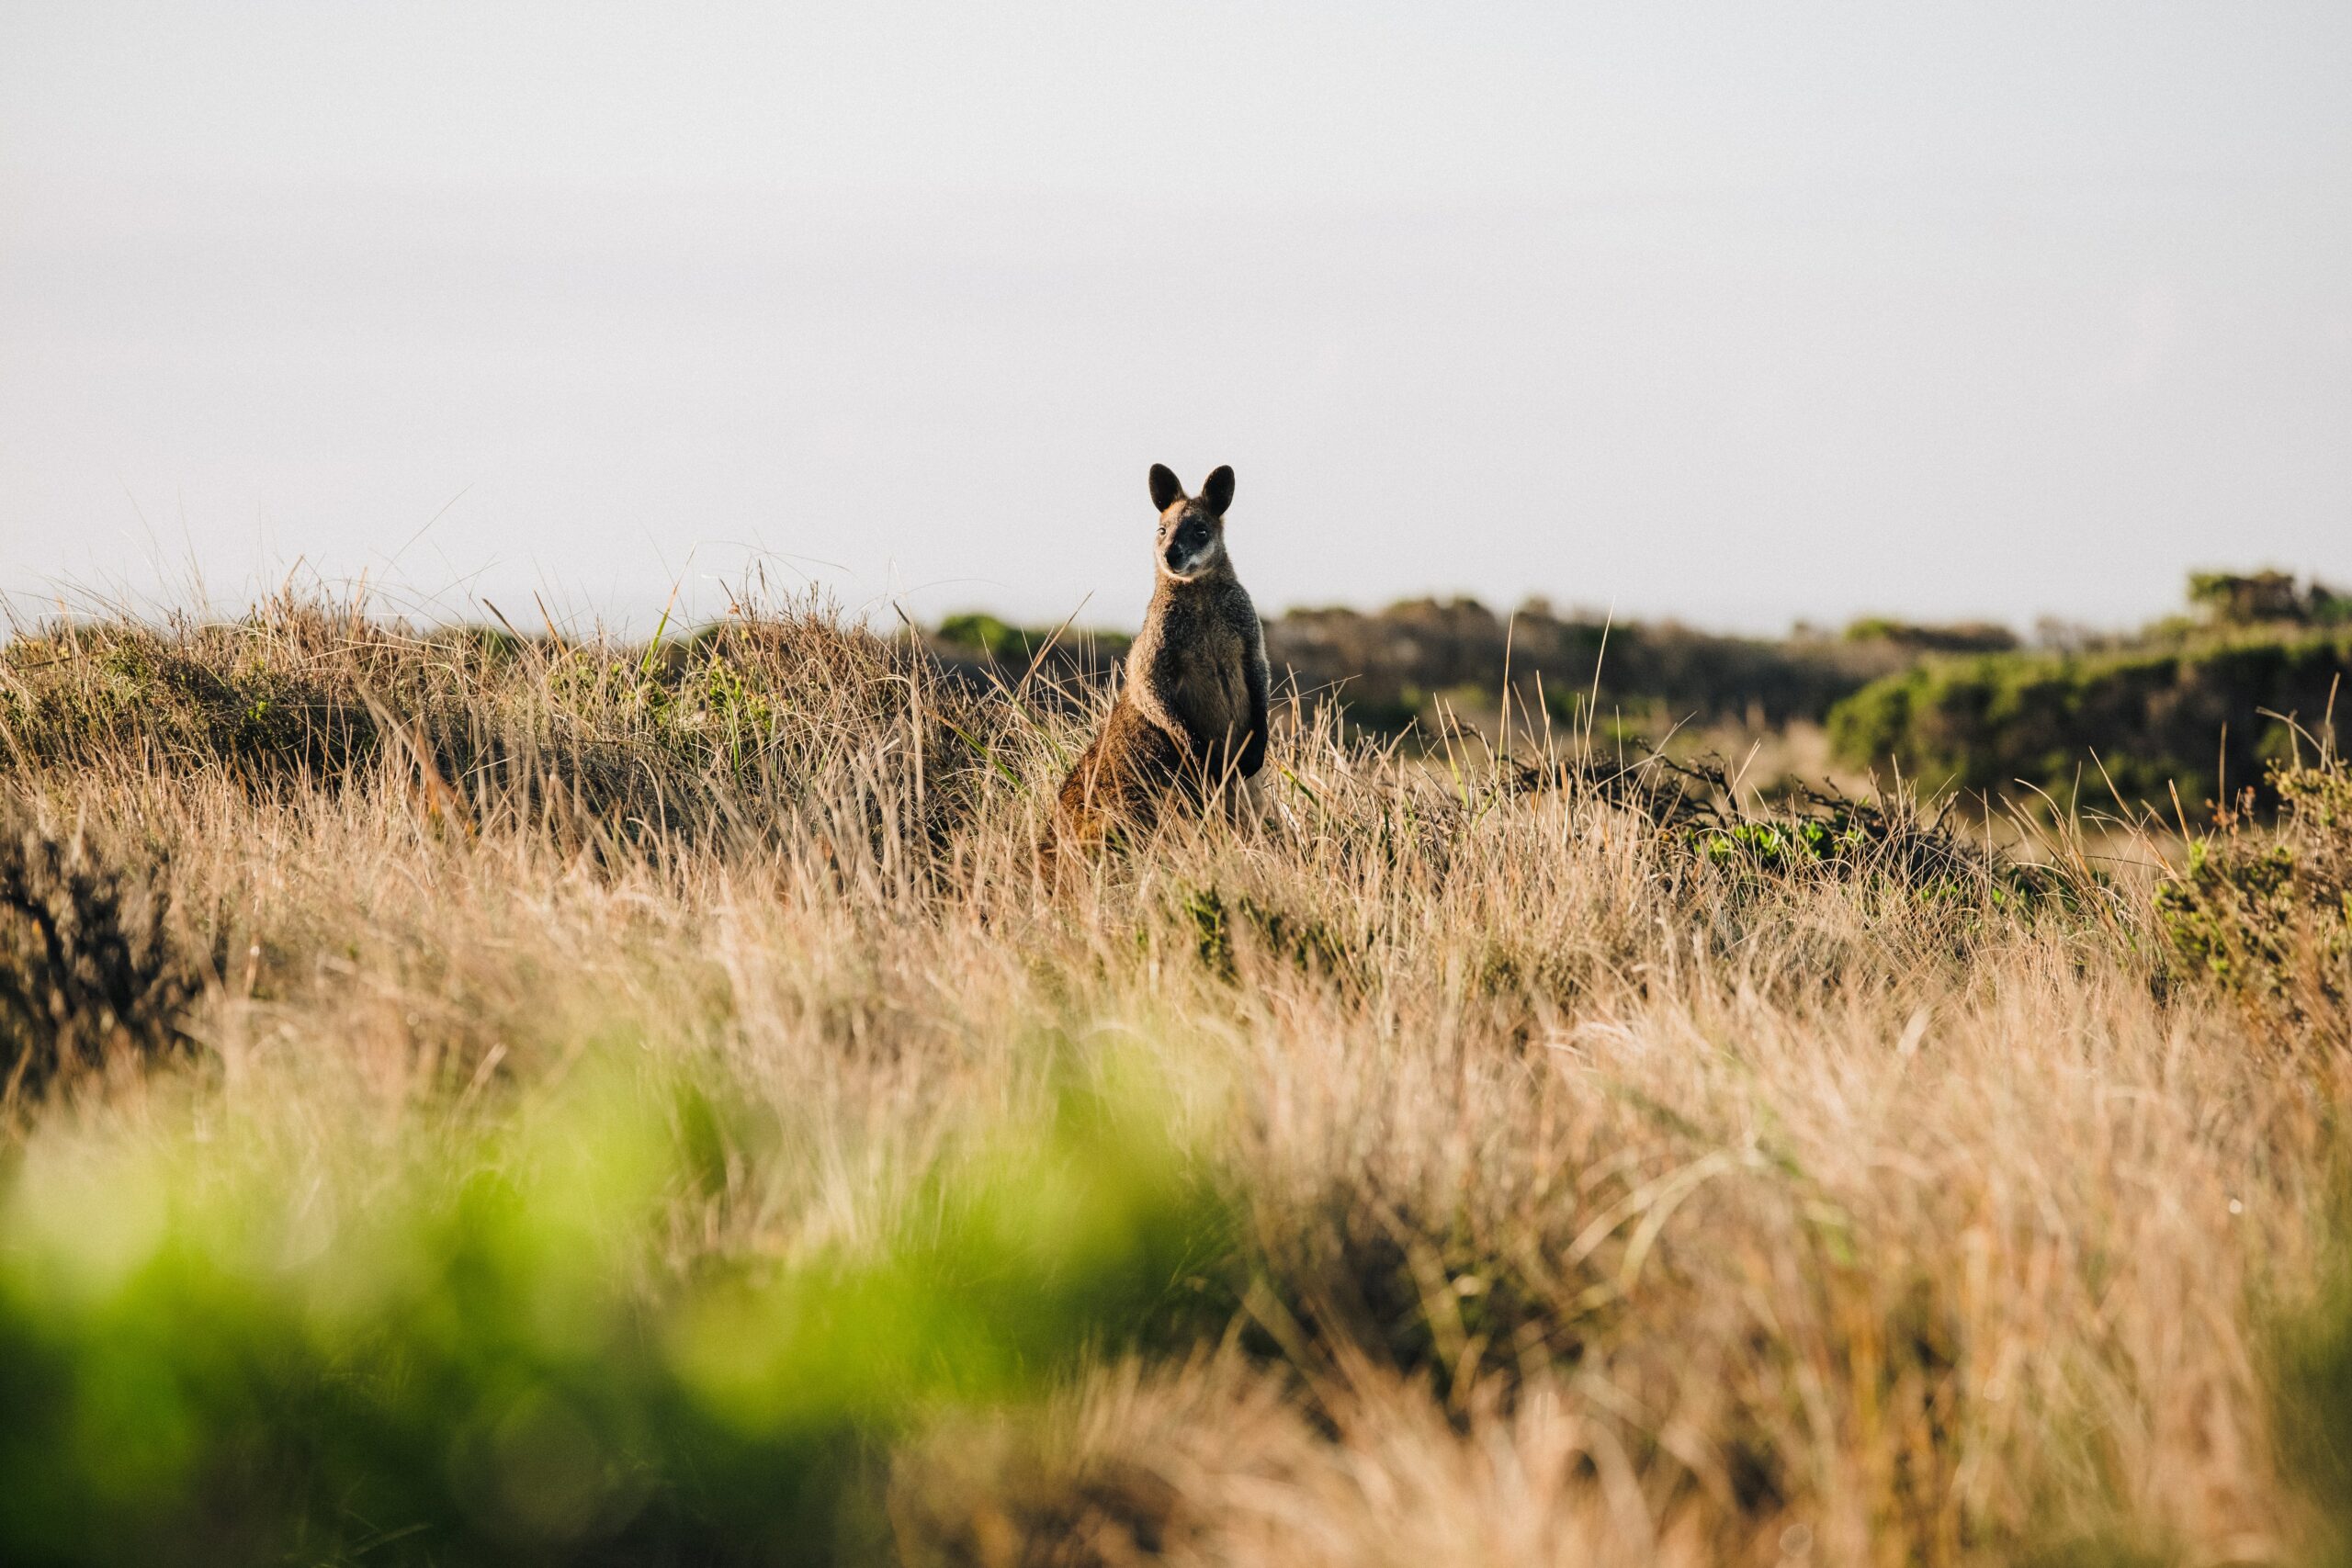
479,1356
1965,637
2253,598
1306,942
1849,849
1507,967
1002,641
1204,909
996,639
2267,913
2152,722
1774,846
1808,835
2310,1376
79,694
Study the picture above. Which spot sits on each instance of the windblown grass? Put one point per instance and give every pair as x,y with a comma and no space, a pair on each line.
635,1105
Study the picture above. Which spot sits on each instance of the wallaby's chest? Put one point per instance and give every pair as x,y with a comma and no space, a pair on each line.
1201,669
1210,687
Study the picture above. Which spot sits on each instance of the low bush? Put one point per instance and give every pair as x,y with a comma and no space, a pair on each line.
1968,637
2266,911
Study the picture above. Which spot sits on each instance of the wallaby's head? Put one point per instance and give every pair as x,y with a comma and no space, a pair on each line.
1191,528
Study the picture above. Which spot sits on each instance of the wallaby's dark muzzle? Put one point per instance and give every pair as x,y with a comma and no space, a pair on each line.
1189,544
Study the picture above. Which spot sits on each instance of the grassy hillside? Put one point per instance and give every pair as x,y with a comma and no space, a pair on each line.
478,1099
2191,702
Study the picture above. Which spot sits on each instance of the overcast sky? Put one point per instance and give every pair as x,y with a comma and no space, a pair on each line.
1740,312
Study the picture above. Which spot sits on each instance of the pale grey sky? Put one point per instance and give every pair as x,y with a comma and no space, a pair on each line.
1734,312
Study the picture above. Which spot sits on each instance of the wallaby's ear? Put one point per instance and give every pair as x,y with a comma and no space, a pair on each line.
1216,491
1166,488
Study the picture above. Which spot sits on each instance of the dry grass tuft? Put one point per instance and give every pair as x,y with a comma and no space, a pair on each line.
88,971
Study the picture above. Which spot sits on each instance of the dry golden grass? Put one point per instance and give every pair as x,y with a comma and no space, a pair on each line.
1596,1199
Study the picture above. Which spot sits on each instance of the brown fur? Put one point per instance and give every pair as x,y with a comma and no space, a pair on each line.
1189,724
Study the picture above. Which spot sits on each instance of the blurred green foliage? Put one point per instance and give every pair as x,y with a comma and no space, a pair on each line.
215,1351
2253,598
1002,641
1965,637
996,639
2311,1389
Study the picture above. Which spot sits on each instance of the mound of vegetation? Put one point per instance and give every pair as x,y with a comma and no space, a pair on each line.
2267,597
1810,832
609,740
1966,637
2190,708
1043,663
2192,720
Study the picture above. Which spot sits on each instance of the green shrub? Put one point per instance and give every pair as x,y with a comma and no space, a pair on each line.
2267,912
1810,836
2252,598
1963,637
1003,642
2247,598
996,639
2154,721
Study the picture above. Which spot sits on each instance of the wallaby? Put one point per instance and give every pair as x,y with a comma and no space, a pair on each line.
1189,724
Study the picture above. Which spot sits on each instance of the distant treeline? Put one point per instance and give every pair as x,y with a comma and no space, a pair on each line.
2196,703
1393,668
1390,668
